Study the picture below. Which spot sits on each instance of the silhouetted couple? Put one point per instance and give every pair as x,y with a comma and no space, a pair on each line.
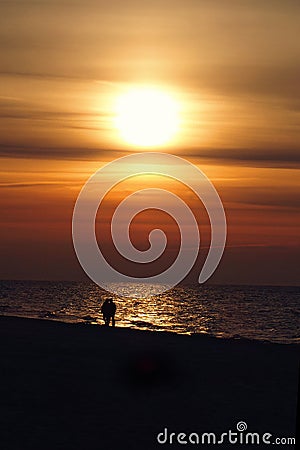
108,310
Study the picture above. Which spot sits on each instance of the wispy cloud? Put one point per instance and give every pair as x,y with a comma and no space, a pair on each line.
264,157
246,157
34,185
77,154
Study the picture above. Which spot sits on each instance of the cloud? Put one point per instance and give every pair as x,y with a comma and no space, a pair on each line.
285,158
33,185
77,154
246,157
280,81
272,197
18,109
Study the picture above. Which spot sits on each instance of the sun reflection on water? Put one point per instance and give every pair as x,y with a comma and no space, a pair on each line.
267,313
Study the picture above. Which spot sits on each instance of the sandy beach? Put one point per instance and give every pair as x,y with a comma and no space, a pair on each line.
69,386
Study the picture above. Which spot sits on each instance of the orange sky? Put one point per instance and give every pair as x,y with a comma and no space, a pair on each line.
234,71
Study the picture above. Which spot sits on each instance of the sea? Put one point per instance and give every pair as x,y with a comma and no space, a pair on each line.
265,313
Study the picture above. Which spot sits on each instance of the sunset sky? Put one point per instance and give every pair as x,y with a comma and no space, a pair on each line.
231,67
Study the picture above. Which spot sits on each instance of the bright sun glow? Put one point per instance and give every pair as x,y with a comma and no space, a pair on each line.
147,117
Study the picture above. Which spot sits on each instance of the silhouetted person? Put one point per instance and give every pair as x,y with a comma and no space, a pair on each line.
105,310
109,310
112,311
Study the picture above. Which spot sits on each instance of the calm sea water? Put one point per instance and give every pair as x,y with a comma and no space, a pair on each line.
253,312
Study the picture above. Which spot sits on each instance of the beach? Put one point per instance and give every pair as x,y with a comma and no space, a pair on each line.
80,387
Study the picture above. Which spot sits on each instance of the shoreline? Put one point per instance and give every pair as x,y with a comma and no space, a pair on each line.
90,323
57,377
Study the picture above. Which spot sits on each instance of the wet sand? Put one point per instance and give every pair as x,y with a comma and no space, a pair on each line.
81,387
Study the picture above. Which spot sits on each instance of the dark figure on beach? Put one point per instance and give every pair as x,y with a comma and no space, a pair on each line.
109,310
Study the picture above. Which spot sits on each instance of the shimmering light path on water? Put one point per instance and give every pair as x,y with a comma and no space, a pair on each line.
253,312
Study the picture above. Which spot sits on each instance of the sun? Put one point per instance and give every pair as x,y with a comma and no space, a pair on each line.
147,117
